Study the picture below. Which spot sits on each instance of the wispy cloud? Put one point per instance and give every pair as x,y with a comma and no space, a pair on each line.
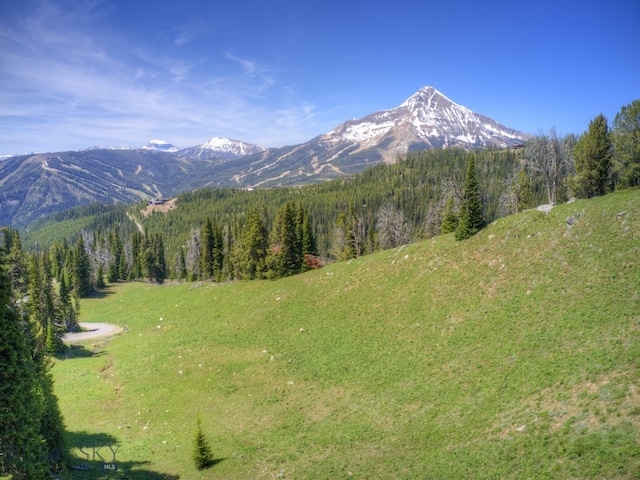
69,82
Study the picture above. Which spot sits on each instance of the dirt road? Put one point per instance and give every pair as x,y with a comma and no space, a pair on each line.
92,330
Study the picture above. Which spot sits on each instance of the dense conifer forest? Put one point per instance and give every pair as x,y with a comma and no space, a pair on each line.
236,233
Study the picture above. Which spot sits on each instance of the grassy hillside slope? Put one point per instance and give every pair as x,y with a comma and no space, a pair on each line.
514,354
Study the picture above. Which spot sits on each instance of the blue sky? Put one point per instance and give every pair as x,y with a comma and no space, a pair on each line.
79,73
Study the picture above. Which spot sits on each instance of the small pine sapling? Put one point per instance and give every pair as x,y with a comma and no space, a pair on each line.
202,456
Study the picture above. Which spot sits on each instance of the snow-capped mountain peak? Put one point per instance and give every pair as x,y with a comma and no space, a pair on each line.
161,146
426,96
427,119
219,147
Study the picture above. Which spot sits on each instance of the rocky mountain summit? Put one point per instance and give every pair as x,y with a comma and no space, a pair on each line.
38,184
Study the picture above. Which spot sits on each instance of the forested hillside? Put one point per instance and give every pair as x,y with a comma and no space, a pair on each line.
226,234
513,354
412,186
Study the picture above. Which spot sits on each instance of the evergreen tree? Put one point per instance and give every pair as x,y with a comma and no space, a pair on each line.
67,311
202,456
42,306
135,246
81,273
152,259
51,421
21,444
15,262
115,270
592,156
160,265
449,218
206,261
217,253
286,254
471,219
180,265
99,280
253,247
626,141
306,238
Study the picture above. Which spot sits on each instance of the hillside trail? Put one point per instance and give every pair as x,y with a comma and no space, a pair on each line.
137,222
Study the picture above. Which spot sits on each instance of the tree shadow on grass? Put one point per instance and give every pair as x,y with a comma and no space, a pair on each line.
78,351
96,456
102,293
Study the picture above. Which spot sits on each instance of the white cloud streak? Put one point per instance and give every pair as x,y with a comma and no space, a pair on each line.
67,86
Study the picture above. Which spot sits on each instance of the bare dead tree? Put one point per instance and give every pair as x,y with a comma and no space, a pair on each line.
359,233
97,249
194,246
434,218
393,230
551,158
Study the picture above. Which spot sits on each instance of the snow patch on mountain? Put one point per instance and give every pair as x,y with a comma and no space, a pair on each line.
99,147
223,148
427,117
161,146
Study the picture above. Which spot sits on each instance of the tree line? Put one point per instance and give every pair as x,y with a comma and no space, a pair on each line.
224,234
32,317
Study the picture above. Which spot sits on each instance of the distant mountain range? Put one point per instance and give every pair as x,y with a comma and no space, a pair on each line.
32,186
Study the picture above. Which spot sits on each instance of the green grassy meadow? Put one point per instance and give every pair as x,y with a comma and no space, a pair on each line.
511,355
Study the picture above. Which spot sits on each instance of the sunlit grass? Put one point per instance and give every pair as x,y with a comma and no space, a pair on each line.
511,355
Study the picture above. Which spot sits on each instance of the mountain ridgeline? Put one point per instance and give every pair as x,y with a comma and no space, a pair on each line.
348,217
33,186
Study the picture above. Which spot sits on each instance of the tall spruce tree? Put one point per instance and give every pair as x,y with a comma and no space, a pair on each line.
81,274
626,141
306,238
471,219
449,218
253,247
206,259
43,307
592,157
286,255
68,312
22,449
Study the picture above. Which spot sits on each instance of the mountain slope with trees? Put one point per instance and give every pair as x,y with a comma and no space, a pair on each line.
512,354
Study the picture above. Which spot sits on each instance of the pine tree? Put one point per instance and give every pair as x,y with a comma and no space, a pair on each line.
160,264
15,262
471,219
449,218
51,421
206,260
592,157
81,276
253,247
115,271
286,254
68,312
180,265
626,140
21,444
99,280
42,306
202,456
217,253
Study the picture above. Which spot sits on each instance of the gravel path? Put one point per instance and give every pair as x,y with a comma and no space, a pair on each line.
92,330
